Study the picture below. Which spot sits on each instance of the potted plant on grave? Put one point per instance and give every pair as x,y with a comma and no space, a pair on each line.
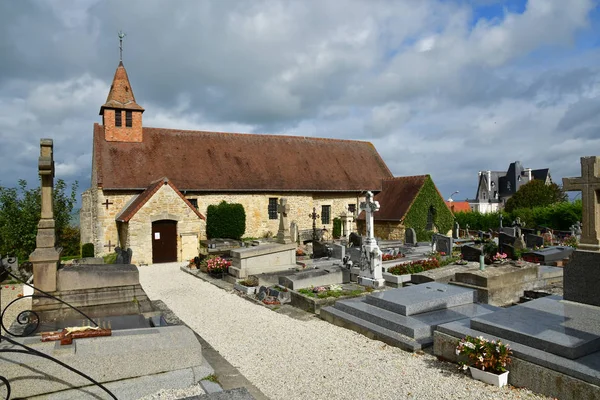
487,359
247,286
217,267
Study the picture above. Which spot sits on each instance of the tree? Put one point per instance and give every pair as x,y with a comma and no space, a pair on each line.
536,194
20,210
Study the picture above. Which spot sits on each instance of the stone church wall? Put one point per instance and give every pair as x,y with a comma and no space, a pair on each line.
165,204
256,206
99,226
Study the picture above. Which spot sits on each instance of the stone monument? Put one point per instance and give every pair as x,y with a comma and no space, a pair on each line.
347,218
582,273
283,235
371,265
96,289
589,185
46,256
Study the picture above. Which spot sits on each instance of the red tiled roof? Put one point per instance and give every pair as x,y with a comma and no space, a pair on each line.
213,161
142,198
121,94
458,206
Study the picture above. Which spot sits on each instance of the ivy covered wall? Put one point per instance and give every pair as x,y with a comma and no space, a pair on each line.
417,215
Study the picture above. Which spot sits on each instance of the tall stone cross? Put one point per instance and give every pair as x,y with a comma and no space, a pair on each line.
589,185
45,257
369,207
283,235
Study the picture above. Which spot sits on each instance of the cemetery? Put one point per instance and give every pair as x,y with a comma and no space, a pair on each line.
197,297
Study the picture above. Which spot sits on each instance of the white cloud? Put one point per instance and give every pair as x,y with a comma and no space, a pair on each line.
434,91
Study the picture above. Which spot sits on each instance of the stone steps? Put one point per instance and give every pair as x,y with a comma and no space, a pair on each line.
430,296
373,331
386,319
382,315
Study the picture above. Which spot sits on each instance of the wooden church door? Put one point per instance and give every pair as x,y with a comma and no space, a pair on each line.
164,241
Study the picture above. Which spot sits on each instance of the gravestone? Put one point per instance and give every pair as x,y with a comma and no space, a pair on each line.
589,185
456,230
548,238
347,218
443,244
548,254
46,256
532,241
283,235
505,239
509,230
371,265
294,231
410,237
582,273
471,253
355,239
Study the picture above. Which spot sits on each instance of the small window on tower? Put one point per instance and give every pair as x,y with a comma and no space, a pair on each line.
128,119
118,118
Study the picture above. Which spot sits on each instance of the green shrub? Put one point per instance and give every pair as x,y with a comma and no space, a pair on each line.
490,249
424,236
559,216
87,250
225,221
417,215
337,228
110,258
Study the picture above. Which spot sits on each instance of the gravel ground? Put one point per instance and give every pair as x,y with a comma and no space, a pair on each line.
292,359
8,293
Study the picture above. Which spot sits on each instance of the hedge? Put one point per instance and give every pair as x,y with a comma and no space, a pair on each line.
416,217
559,216
87,250
226,221
337,228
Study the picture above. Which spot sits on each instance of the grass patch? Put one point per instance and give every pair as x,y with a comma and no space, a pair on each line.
211,378
110,258
333,293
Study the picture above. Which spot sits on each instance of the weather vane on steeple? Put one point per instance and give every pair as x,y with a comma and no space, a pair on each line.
121,36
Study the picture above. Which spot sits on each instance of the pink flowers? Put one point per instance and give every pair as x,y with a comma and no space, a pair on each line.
500,257
217,264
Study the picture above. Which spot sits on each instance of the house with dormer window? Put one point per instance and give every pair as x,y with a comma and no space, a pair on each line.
494,188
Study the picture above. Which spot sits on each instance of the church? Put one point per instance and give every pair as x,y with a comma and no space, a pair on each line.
150,187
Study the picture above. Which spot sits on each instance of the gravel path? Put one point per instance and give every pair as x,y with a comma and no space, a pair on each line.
8,293
292,359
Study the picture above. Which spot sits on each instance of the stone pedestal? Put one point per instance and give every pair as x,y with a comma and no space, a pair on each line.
582,277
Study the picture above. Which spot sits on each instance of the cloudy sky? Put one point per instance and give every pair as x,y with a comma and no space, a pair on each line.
445,88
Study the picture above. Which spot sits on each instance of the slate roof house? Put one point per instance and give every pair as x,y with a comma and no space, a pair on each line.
150,187
409,202
496,187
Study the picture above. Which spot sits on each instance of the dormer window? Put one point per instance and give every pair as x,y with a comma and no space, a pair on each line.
118,121
128,119
508,185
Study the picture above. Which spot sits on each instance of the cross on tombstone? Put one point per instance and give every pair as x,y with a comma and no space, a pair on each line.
501,217
106,203
589,185
110,246
314,217
369,207
283,235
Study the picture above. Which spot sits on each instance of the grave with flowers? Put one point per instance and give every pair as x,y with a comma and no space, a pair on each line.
555,340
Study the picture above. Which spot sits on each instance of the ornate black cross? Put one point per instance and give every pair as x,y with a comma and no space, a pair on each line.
110,246
106,203
314,216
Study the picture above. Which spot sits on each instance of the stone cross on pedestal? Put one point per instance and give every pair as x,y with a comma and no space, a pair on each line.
283,235
45,257
371,264
369,207
589,185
